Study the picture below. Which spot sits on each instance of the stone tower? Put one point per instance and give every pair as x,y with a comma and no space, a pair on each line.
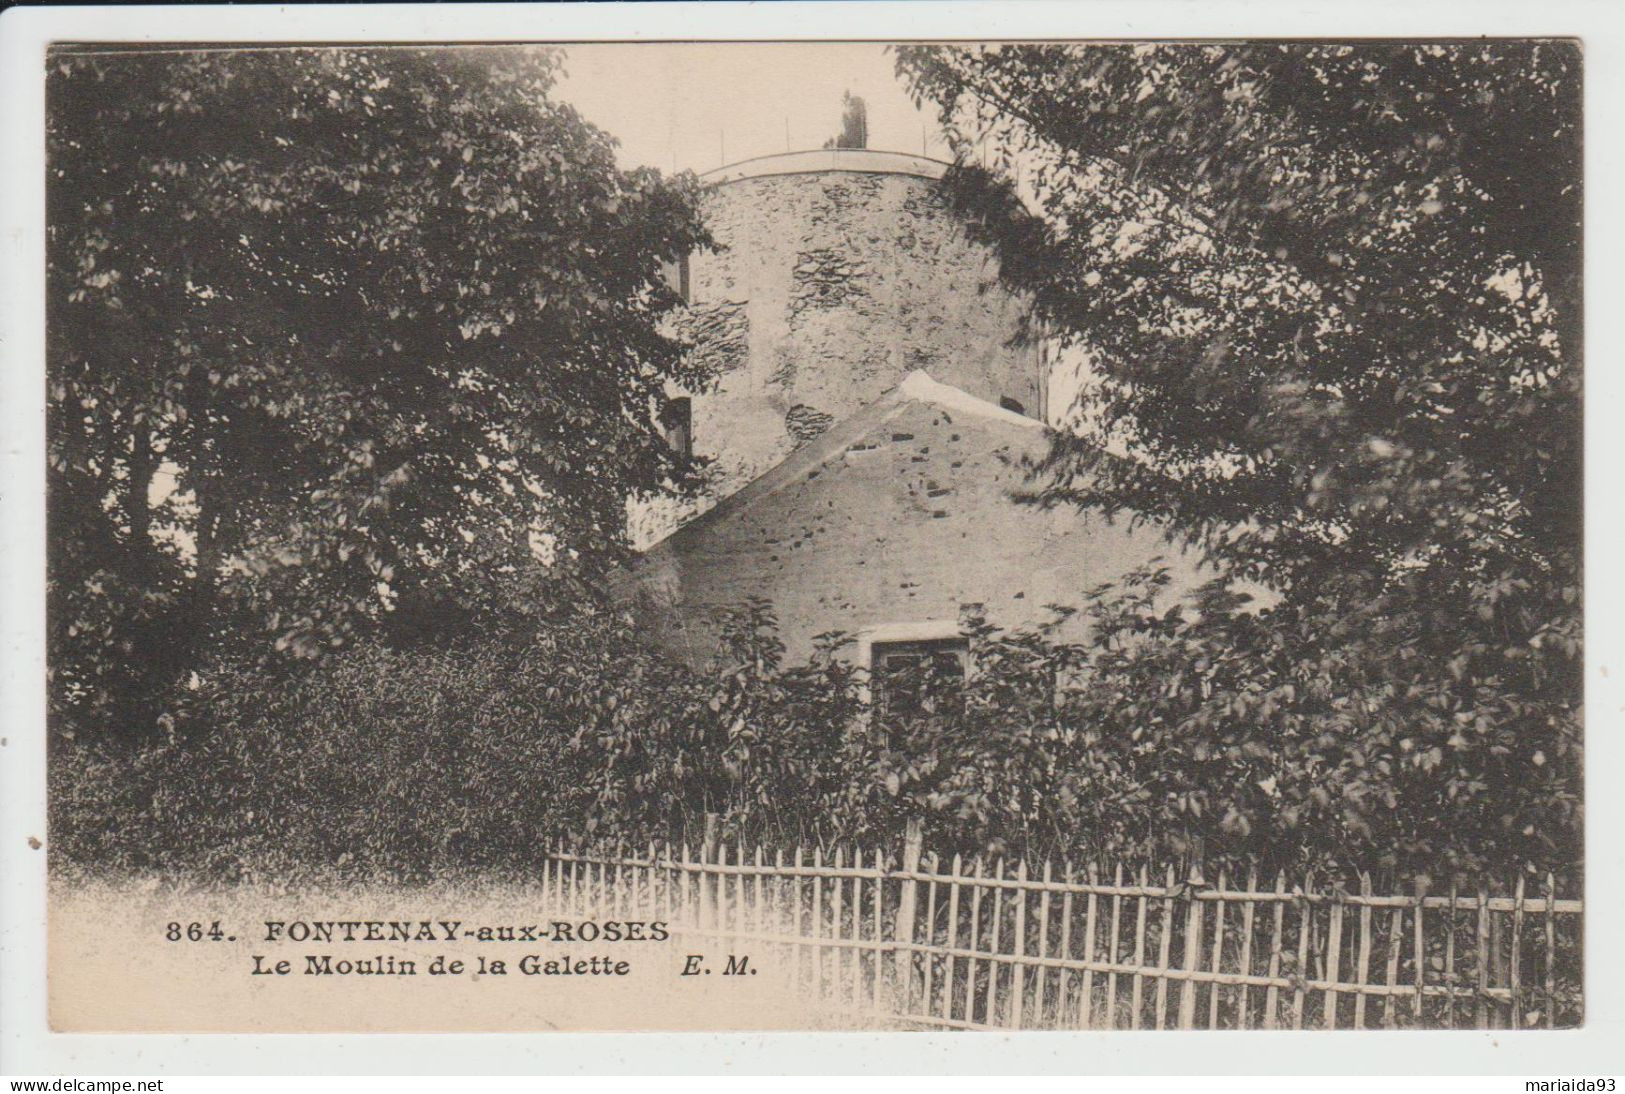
872,415
840,272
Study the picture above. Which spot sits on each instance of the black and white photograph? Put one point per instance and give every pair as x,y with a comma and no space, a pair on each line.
849,535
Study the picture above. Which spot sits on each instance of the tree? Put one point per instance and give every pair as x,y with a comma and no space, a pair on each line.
337,337
1330,297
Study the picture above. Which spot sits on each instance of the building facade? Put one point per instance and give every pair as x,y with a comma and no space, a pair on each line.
840,271
873,405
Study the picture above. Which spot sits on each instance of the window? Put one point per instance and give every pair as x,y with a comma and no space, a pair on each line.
677,420
675,274
910,678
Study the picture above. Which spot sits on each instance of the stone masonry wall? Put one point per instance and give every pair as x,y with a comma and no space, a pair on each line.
902,526
829,288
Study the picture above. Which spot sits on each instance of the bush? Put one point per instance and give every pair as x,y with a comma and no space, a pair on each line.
419,762
1168,729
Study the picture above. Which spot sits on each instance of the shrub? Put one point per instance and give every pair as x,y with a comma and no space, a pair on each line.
1170,730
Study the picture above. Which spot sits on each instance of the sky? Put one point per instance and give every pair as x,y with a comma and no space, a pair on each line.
697,106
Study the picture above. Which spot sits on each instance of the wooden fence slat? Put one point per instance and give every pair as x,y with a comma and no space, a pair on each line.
651,885
741,924
663,896
1137,998
990,1008
817,931
1272,996
733,895
550,867
1165,926
1246,958
1515,972
1419,953
573,901
952,935
839,979
690,908
1087,1002
930,938
1450,958
620,901
560,866
1532,905
1064,977
1040,980
1498,960
782,910
798,911
711,878
1334,963
1193,950
1362,959
861,993
699,901
843,995
1112,954
903,933
1500,996
741,921
717,854
879,928
1018,908
626,887
1551,952
843,913
1390,1004
654,895
1306,922
971,943
770,913
1481,1014
1216,965
759,912
799,906
838,986
642,899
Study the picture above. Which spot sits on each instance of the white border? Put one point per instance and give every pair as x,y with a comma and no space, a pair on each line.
26,1047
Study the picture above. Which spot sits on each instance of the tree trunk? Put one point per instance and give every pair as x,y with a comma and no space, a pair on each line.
137,508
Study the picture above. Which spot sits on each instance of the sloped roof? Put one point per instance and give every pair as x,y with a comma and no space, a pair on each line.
916,388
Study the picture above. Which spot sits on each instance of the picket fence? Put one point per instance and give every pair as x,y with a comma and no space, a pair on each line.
910,941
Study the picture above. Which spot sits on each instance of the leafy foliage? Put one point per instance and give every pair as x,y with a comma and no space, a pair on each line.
437,760
433,762
1330,297
342,341
1330,301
